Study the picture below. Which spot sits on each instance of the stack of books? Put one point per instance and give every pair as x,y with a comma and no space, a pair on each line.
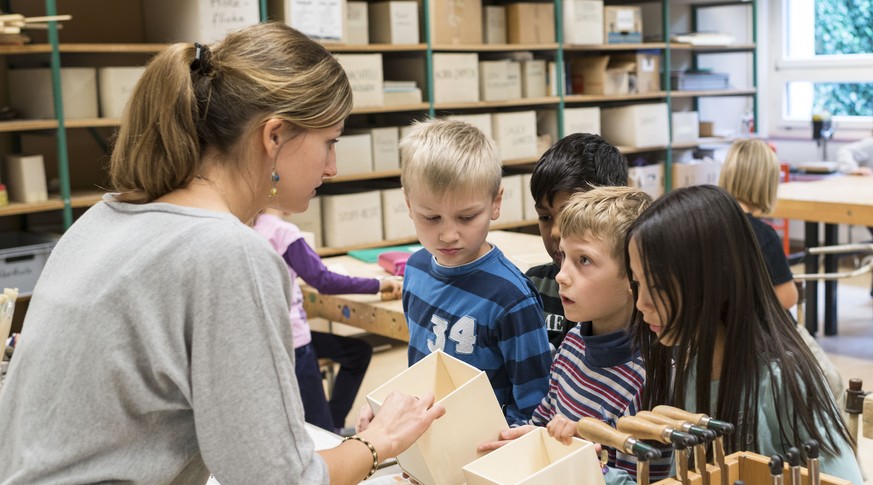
401,93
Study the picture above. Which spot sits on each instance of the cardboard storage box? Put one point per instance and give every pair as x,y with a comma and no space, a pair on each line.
533,78
686,126
528,202
637,125
493,80
481,121
322,20
456,76
357,24
351,218
203,21
645,73
386,154
365,75
698,172
623,24
115,85
530,23
354,154
512,206
473,416
394,22
494,24
25,178
648,178
583,20
537,458
30,92
515,134
513,80
396,223
553,79
22,258
576,120
456,21
600,75
310,220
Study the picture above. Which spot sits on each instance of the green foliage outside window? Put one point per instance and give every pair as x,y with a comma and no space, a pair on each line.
844,27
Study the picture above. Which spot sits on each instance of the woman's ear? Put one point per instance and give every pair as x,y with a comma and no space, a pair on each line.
271,136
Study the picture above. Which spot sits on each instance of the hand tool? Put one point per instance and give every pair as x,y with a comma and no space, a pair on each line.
600,432
641,428
810,447
704,436
793,456
776,469
721,428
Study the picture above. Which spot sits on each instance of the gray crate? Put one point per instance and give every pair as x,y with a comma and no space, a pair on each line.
22,257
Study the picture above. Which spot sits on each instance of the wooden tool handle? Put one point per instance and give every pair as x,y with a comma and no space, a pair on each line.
599,432
661,419
642,429
680,414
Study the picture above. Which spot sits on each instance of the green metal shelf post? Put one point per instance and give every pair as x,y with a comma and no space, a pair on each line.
668,156
428,61
63,155
560,75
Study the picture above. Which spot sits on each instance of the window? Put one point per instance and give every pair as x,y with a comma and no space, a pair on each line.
823,53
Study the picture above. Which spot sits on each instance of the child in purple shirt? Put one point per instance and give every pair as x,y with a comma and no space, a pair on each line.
353,355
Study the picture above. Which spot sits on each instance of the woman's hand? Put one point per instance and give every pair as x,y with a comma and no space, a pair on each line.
401,420
390,288
562,429
364,417
506,436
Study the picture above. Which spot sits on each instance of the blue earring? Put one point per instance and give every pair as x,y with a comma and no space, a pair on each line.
275,178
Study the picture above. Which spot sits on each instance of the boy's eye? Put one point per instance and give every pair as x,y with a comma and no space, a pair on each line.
467,218
431,218
545,218
584,260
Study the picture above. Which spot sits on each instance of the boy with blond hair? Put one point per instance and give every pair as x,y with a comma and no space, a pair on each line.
461,295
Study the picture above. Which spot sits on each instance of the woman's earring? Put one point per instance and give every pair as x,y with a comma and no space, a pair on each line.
274,177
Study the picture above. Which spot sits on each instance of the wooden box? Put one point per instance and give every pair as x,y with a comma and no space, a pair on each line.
456,21
530,23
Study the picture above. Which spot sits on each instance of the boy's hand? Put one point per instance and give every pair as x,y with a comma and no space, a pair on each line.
562,429
390,288
506,436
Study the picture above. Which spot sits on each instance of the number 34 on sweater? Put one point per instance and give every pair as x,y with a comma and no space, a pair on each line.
463,333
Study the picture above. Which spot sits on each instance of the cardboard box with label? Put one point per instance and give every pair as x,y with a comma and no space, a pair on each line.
114,85
357,24
481,121
309,220
697,172
530,23
396,223
352,218
456,21
623,24
451,442
513,80
204,21
322,20
30,92
386,155
515,134
528,204
553,79
511,209
583,20
493,80
494,24
26,178
686,127
600,75
394,22
576,120
645,72
455,76
648,178
537,458
533,78
354,154
637,125
365,76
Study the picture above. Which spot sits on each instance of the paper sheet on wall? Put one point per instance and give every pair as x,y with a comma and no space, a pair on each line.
319,19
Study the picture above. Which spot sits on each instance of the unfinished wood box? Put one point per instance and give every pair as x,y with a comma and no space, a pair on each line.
450,443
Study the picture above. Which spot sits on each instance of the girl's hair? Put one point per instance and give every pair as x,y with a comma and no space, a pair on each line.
185,104
449,157
698,249
751,174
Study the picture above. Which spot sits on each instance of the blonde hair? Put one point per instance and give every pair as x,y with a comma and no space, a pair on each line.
604,213
751,174
181,108
443,156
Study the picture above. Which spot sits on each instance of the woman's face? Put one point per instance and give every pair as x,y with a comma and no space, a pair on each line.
650,301
302,163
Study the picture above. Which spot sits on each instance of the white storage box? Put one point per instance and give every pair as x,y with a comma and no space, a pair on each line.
494,24
472,417
576,120
638,125
115,85
686,127
203,21
22,258
353,218
396,223
30,92
493,82
357,23
309,221
515,134
455,76
513,80
583,21
511,208
537,458
354,154
528,203
365,76
648,178
394,22
26,178
319,19
698,172
533,79
481,121
386,154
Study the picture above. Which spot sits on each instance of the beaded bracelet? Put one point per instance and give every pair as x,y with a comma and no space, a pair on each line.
372,450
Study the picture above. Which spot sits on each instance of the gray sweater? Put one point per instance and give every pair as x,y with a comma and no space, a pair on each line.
157,346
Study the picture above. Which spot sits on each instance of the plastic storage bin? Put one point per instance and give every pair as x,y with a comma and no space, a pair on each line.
22,257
